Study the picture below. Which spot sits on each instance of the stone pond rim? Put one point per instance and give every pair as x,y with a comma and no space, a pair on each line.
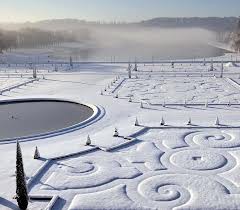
36,118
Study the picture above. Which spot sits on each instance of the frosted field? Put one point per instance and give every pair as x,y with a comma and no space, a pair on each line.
6,82
179,165
178,90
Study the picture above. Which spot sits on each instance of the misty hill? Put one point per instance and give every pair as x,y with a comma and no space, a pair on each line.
55,24
210,23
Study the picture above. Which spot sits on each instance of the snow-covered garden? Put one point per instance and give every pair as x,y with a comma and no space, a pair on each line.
166,136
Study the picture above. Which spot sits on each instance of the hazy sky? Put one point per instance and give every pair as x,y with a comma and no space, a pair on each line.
110,10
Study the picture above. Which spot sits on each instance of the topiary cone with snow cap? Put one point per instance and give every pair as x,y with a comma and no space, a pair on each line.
36,154
211,67
162,122
222,69
164,104
21,186
88,142
129,72
56,68
136,66
116,134
136,122
206,104
229,103
185,103
71,61
217,121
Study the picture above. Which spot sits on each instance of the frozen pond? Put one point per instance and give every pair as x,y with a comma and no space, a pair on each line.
33,117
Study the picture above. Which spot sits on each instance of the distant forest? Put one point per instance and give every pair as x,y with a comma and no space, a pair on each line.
33,38
210,23
236,38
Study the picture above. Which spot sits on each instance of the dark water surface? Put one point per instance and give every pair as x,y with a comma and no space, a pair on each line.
18,119
138,51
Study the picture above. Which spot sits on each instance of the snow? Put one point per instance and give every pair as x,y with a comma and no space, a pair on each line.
96,167
118,198
179,90
176,166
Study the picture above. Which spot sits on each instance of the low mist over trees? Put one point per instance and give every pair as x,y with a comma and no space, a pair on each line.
30,37
93,37
8,40
236,37
33,38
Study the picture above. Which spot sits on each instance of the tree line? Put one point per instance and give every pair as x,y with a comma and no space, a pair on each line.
33,38
236,38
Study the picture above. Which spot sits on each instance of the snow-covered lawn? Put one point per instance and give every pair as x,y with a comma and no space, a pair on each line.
150,166
6,82
157,90
163,169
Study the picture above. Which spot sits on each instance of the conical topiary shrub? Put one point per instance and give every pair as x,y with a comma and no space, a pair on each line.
206,104
21,186
162,122
189,121
36,154
217,121
136,122
116,134
88,142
